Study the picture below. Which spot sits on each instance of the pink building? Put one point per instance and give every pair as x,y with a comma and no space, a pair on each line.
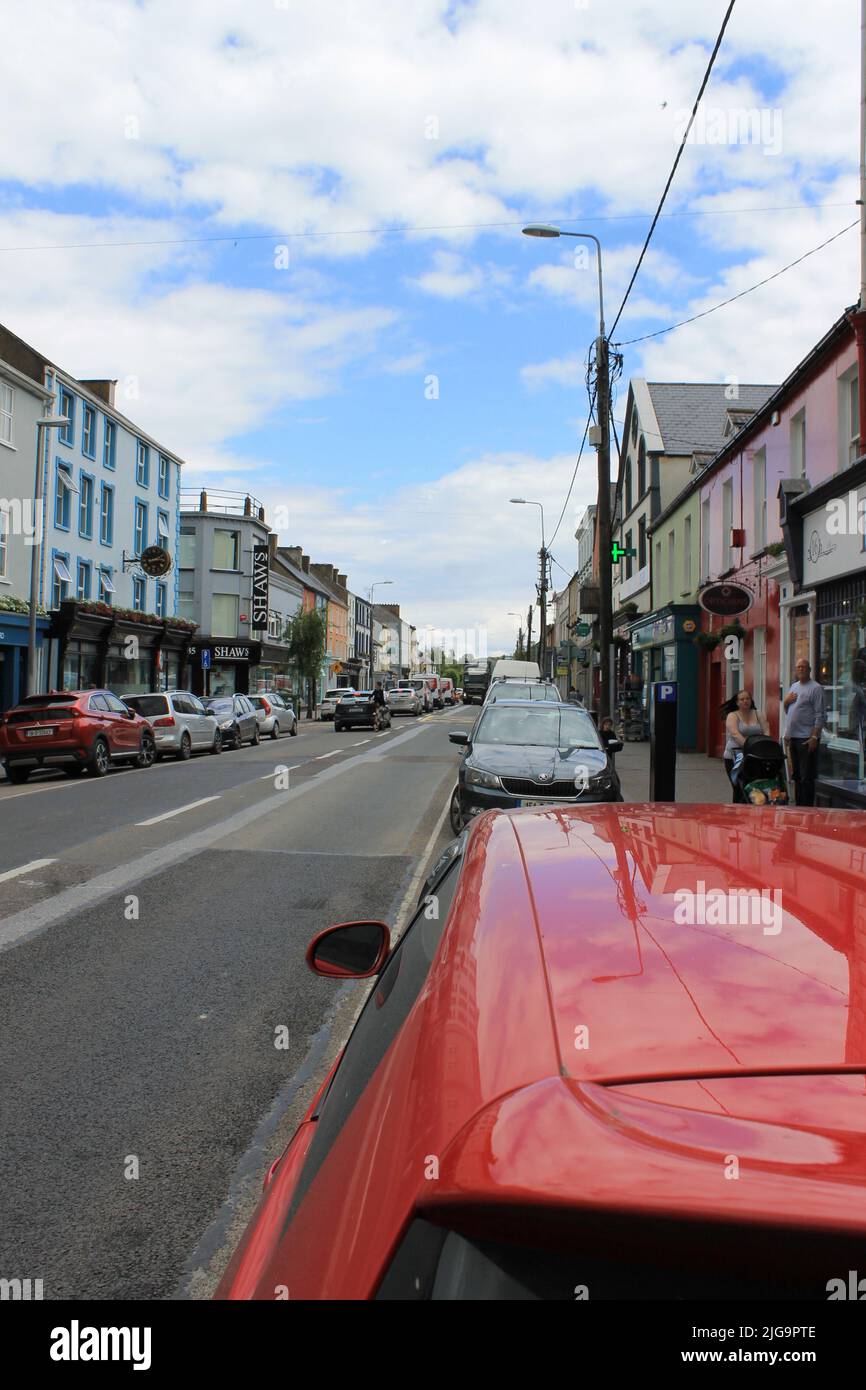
769,490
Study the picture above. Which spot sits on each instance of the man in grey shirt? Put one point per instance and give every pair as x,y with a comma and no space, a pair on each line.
803,731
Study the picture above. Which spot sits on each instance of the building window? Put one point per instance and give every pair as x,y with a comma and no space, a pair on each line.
109,444
63,490
162,529
61,580
161,600
88,431
641,542
628,558
85,508
186,559
727,523
633,425
7,406
641,468
274,626
798,445
139,592
139,541
705,539
186,608
163,483
142,464
4,540
687,555
627,486
659,578
224,615
67,408
82,588
226,550
105,585
106,515
849,418
759,475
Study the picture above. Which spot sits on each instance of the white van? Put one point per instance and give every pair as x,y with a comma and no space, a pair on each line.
516,670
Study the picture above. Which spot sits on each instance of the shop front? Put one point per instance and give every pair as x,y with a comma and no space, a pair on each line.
130,654
273,672
14,631
220,665
828,618
663,649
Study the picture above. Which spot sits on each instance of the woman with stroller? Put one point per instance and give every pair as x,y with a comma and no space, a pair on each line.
742,721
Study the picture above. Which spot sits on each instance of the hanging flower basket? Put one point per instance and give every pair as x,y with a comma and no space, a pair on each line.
732,630
708,640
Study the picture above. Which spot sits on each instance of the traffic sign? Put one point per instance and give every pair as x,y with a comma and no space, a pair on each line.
668,692
205,658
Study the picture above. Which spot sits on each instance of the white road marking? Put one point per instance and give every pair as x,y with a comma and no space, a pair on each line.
359,743
26,868
384,734
333,754
167,815
277,770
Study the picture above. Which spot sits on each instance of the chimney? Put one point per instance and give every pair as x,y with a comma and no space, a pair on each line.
202,501
272,546
103,389
341,580
305,563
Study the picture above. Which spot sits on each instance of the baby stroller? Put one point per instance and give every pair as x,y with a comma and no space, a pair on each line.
759,772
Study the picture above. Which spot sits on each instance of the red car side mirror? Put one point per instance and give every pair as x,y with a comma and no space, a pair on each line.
350,950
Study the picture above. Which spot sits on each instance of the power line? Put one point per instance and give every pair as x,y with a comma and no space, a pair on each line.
405,231
742,293
706,79
576,466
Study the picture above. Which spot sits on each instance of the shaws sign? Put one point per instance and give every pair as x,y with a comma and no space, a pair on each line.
229,651
726,600
261,558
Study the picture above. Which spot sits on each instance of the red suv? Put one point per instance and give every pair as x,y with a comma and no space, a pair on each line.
75,730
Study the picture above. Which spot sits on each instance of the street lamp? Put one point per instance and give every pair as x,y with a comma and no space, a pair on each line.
605,615
542,637
377,585
47,422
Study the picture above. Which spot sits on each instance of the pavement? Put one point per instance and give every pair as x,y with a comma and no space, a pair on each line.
699,779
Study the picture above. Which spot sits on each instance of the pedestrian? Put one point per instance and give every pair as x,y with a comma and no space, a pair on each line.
379,702
607,734
742,721
806,719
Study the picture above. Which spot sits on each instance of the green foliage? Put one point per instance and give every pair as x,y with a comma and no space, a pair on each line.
307,635
10,604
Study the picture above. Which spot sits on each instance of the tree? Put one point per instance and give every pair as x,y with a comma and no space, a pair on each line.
307,638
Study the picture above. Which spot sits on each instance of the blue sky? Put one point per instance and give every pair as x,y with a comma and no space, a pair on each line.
309,384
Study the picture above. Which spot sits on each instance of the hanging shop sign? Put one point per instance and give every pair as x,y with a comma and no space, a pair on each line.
261,568
726,600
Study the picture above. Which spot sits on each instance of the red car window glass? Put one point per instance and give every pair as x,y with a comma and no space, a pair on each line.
98,702
383,1015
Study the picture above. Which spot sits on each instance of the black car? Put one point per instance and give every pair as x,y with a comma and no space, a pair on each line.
359,710
237,719
531,753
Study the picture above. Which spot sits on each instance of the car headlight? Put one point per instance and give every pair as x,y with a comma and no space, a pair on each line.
476,777
226,724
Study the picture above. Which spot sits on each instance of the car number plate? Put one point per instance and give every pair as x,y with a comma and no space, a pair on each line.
40,733
544,801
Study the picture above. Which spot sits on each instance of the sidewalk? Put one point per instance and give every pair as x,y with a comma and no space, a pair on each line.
699,778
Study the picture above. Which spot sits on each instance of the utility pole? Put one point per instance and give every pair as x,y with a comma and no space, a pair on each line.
529,631
520,643
605,576
542,596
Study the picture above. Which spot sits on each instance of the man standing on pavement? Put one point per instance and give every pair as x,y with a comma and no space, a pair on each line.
803,730
379,702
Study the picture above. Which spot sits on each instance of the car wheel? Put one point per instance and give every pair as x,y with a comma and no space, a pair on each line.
185,750
275,731
294,729
235,735
217,745
100,762
455,814
256,738
147,754
17,775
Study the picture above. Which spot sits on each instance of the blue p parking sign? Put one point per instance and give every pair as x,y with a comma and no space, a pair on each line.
668,691
205,658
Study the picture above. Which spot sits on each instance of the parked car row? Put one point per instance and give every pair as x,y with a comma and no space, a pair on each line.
82,731
414,695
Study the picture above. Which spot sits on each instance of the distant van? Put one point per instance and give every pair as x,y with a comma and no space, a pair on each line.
516,670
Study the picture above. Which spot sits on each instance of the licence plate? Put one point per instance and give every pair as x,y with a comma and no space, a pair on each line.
544,801
40,733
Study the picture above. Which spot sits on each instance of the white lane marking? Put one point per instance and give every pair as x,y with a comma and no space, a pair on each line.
167,815
26,868
332,754
384,734
359,743
277,770
410,898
